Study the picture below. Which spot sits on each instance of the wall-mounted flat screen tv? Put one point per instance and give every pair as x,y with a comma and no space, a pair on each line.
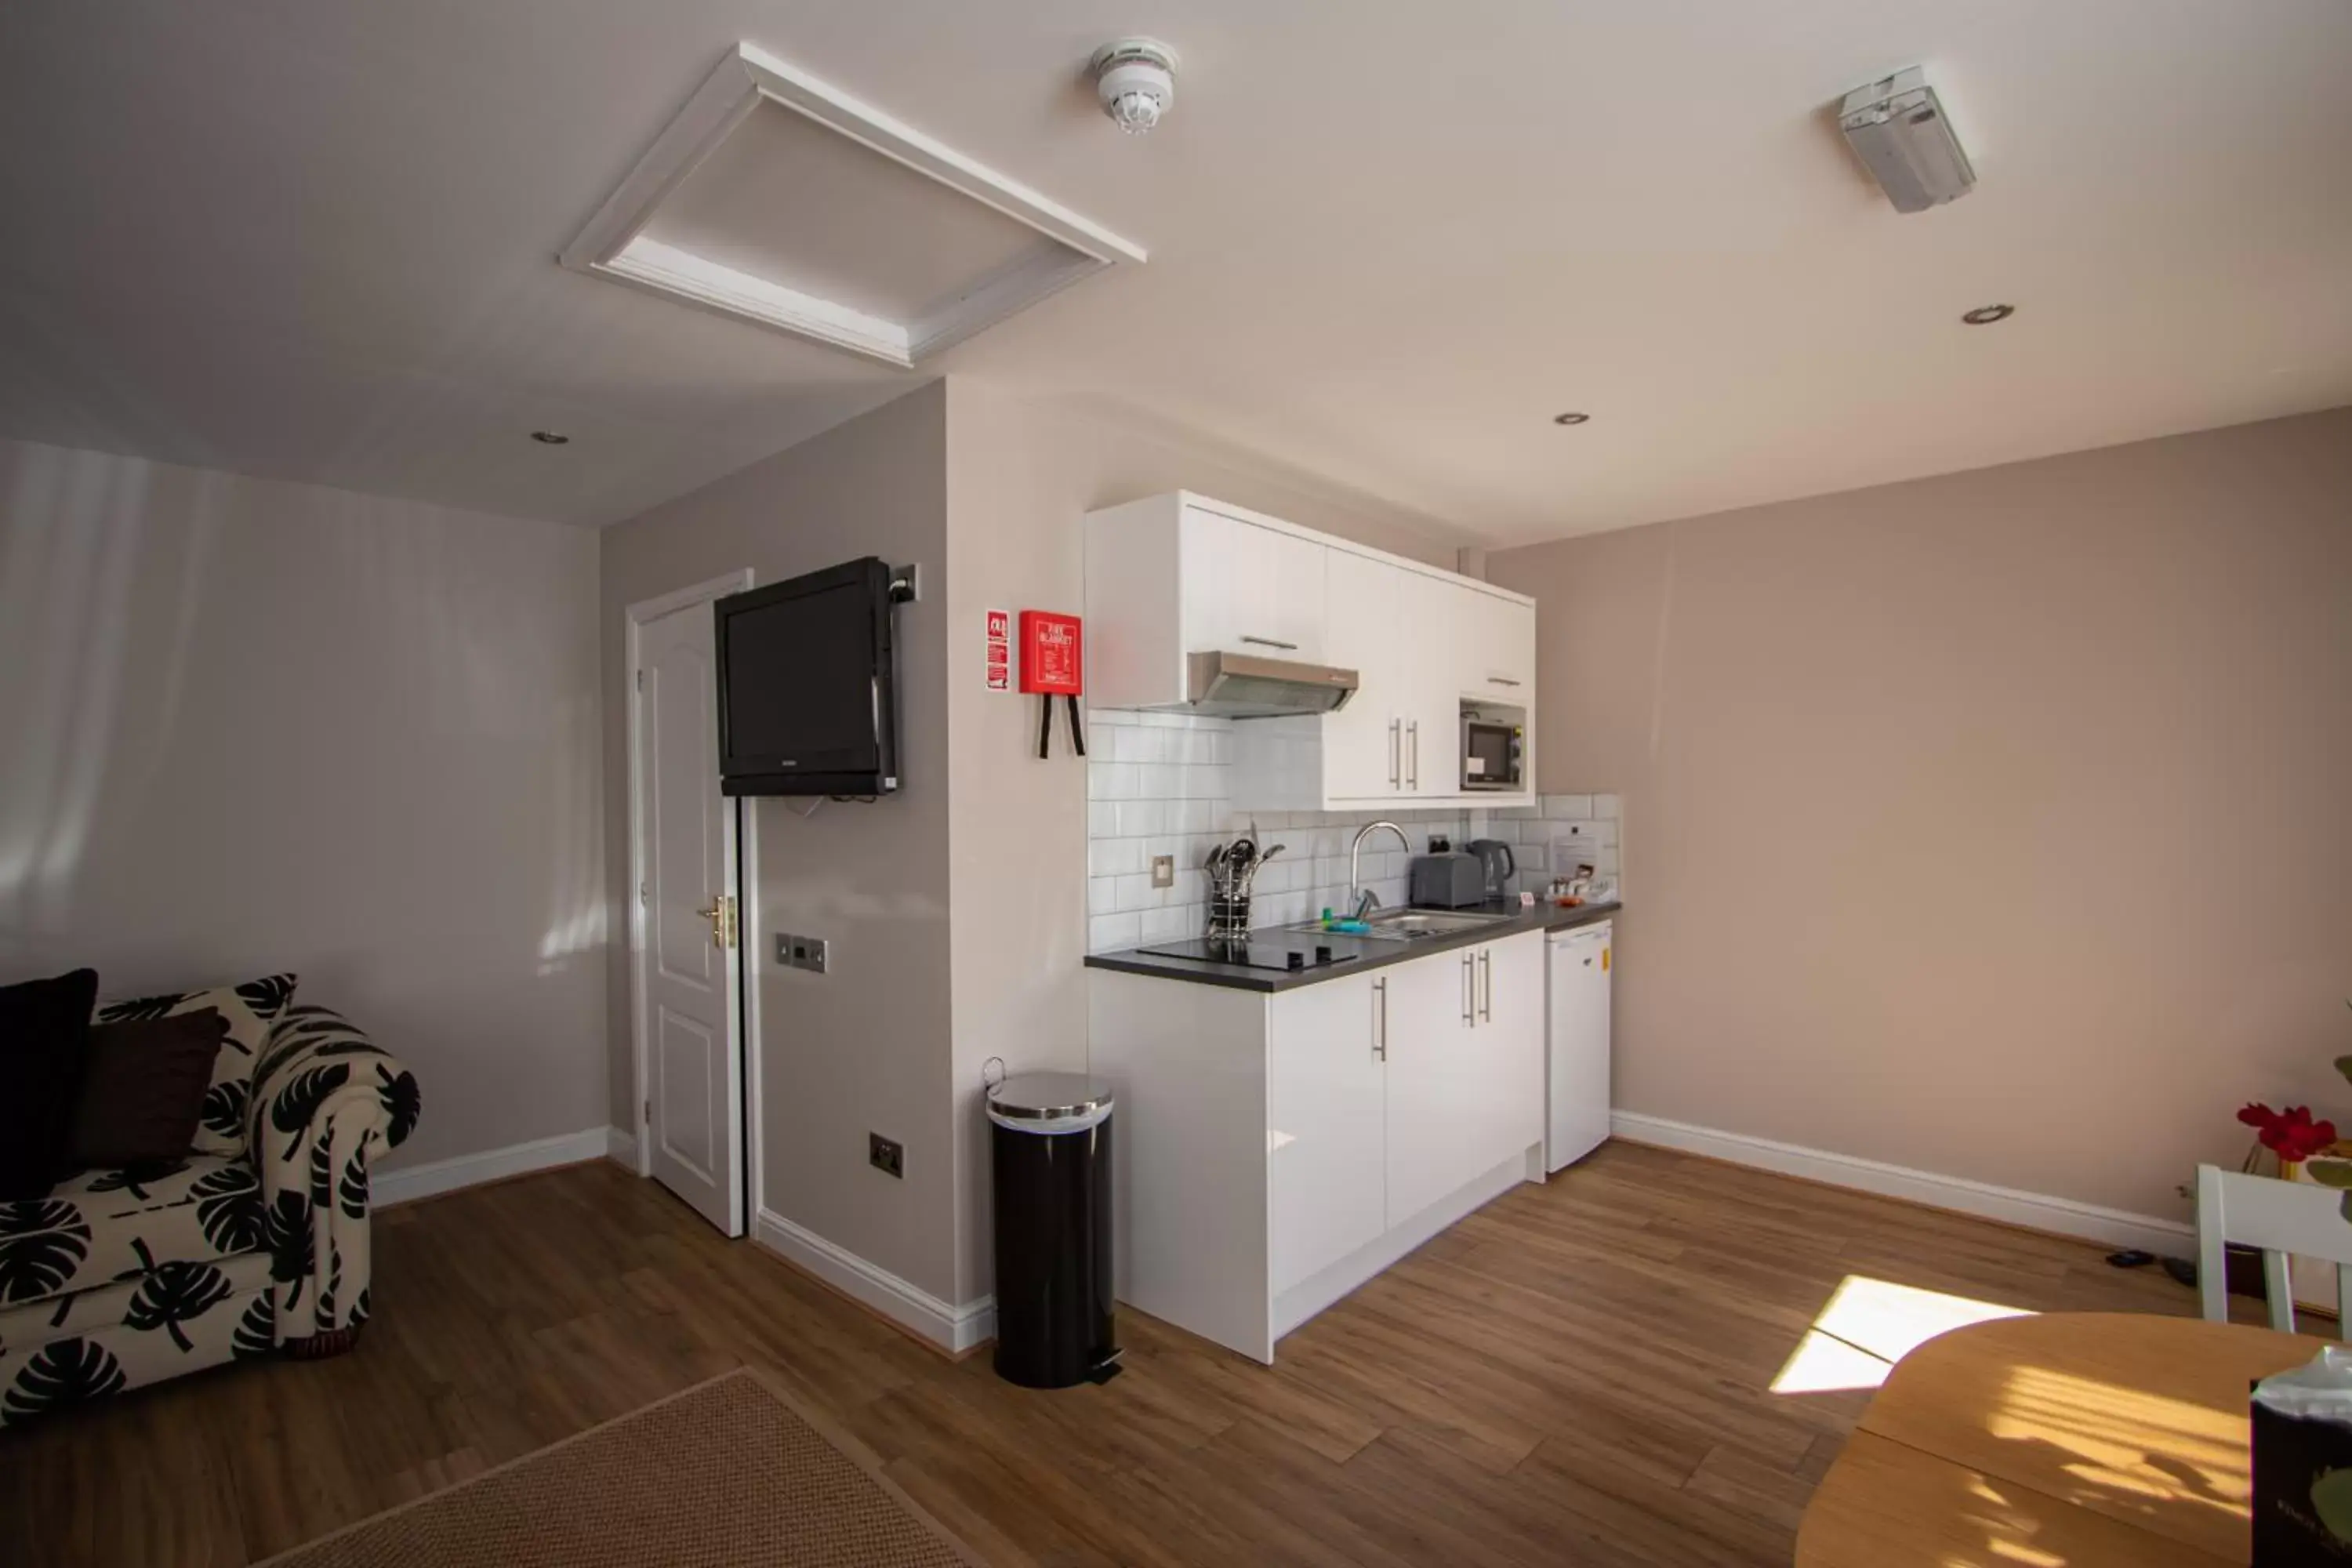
806,679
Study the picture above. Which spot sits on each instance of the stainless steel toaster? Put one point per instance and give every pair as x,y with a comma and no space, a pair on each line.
1453,881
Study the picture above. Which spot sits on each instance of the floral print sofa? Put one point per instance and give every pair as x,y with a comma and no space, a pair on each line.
256,1244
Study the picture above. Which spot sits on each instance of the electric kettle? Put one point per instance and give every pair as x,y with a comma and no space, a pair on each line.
1498,863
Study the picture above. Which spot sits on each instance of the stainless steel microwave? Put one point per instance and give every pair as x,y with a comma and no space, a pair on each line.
1493,754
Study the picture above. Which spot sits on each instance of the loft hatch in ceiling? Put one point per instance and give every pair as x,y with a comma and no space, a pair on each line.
780,200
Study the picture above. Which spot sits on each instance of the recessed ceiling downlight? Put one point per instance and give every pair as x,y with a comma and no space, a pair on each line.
550,438
1570,418
1986,315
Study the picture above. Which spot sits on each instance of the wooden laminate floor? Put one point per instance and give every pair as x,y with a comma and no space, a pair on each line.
1578,1374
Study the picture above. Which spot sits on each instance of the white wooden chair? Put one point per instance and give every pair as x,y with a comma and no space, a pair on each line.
2281,1218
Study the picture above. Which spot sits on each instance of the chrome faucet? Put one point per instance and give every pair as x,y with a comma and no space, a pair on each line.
1364,900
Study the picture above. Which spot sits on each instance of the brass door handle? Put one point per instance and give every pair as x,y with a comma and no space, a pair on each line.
721,916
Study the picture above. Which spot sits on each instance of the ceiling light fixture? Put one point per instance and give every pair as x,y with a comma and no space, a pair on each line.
1570,418
1986,315
1136,79
550,438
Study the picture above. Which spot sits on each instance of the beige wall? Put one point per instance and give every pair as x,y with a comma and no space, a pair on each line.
865,1047
957,909
1998,824
254,726
1021,478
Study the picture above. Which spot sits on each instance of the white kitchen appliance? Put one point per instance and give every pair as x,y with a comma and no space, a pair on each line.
1576,1066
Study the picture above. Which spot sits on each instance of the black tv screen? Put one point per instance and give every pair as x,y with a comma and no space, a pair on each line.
806,704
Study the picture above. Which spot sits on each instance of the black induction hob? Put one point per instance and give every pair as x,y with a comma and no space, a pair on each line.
1252,954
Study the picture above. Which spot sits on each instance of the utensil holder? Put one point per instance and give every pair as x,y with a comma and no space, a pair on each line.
1229,917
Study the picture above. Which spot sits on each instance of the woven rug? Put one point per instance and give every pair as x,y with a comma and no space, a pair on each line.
726,1473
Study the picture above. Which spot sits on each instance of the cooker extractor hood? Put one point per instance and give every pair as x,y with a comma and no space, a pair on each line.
1243,686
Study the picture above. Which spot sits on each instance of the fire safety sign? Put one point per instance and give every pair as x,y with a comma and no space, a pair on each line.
999,650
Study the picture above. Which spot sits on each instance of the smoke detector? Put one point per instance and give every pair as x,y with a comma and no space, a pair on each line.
1136,80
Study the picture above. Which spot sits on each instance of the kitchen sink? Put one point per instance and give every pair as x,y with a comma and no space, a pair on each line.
1413,925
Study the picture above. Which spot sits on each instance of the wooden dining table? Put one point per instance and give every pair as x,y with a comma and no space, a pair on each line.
2081,1438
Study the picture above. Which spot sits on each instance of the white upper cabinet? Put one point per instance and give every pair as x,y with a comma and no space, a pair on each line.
1428,628
1494,643
1250,589
1363,743
1177,574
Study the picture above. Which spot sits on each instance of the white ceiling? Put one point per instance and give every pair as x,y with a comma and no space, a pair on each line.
316,238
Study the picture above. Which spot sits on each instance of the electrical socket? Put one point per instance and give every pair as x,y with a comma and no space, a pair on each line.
886,1156
1164,870
810,953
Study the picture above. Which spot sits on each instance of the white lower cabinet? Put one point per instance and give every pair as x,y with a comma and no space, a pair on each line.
1272,1153
1325,1094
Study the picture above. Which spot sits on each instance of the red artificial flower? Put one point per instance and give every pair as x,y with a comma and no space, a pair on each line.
2291,1134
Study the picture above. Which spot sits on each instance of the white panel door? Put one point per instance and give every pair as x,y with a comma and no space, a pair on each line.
1363,743
1431,1099
687,958
1323,1126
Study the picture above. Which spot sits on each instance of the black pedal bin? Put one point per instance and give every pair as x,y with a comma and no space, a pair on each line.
1050,1153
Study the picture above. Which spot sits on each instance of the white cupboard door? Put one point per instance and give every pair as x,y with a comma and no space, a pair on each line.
1432,1099
1363,747
1295,600
1323,1126
1427,620
1495,644
1248,589
1509,1042
686,956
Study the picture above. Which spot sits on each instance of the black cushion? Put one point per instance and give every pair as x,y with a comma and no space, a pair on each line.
142,1089
43,1025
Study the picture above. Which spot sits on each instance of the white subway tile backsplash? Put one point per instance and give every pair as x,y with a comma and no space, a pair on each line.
1112,781
1111,857
1168,925
1107,933
1140,818
1563,832
1161,784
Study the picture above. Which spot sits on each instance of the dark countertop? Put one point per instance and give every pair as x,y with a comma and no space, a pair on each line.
1372,953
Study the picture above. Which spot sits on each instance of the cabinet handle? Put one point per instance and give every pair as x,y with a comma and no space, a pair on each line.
1396,752
1486,966
1379,1020
1470,989
1272,642
1500,680
1413,733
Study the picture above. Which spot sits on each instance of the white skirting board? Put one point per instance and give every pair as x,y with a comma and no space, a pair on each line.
953,1329
409,1183
2034,1211
621,1146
